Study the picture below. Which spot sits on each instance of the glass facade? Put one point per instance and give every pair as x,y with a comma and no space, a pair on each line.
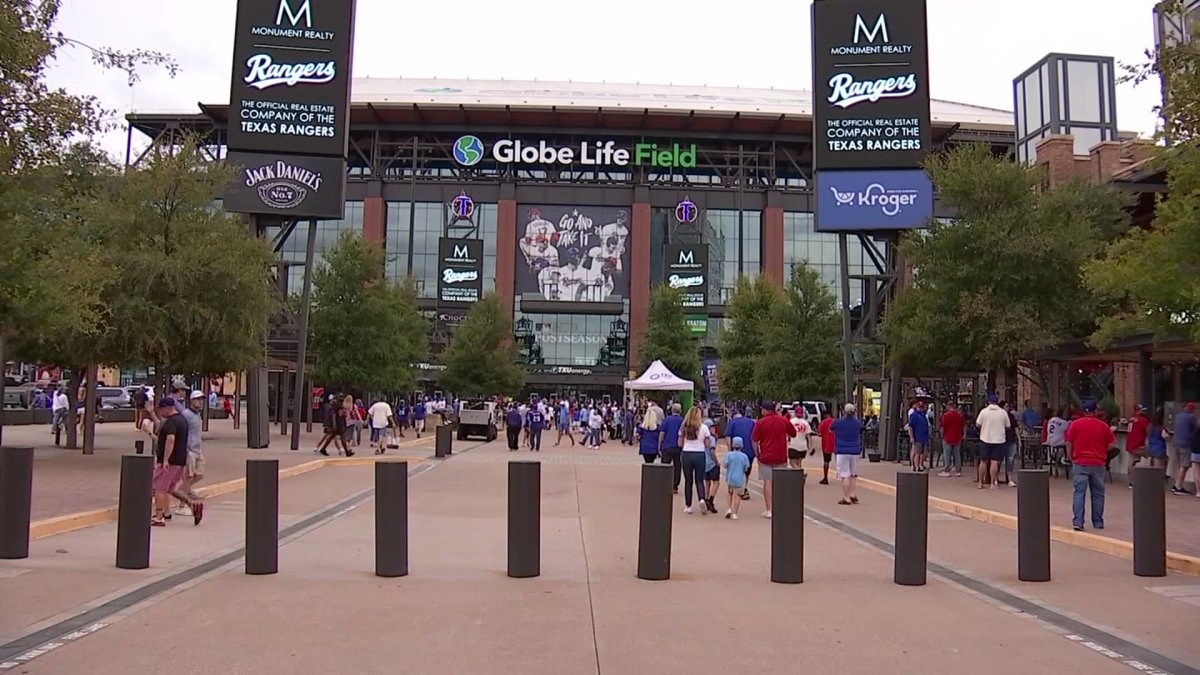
581,340
733,247
802,244
411,239
295,248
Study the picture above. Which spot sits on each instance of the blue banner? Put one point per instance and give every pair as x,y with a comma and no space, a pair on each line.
849,201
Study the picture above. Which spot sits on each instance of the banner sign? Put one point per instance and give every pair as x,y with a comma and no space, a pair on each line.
708,373
871,84
849,201
573,253
687,270
287,185
290,89
460,270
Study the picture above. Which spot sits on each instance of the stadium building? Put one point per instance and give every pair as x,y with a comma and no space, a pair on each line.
583,195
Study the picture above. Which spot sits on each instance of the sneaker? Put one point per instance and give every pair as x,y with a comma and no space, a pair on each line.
766,514
944,474
1177,491
687,509
728,513
1078,528
197,513
349,453
734,516
824,481
183,511
958,474
1098,527
854,500
323,452
1012,483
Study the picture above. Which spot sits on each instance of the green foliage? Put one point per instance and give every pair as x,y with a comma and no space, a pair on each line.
1150,279
182,286
667,335
1004,280
365,331
743,341
481,359
801,357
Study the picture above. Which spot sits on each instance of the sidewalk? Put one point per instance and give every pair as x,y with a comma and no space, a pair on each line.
1183,513
458,612
67,481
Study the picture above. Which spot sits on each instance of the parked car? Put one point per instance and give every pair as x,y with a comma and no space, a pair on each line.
112,398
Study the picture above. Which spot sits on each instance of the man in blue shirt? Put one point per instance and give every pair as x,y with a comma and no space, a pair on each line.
512,426
672,453
848,432
742,427
1185,431
918,435
418,413
1030,418
564,424
535,421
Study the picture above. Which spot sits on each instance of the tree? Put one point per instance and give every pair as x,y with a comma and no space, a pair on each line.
1004,279
364,330
1150,279
742,340
667,335
801,357
481,359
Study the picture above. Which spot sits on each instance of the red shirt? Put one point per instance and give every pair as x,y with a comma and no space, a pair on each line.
1139,428
772,432
952,427
1090,439
828,438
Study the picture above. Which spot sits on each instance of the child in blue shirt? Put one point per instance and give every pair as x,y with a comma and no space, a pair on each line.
737,465
712,468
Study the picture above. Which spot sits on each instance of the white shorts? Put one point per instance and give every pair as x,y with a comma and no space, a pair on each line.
847,466
419,425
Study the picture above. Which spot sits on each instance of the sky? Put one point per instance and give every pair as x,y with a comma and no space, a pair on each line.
976,47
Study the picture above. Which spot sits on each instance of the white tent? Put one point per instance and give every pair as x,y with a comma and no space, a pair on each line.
659,378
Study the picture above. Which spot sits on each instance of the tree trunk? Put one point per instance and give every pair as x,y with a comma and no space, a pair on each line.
89,411
73,381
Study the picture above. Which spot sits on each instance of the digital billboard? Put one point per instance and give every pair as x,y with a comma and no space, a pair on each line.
460,270
573,253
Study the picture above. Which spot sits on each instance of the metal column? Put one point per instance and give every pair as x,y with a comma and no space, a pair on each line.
301,402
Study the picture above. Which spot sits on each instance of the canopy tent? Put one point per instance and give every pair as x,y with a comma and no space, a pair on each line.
659,378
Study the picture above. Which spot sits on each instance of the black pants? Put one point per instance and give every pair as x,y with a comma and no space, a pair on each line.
535,439
671,456
514,436
693,472
649,459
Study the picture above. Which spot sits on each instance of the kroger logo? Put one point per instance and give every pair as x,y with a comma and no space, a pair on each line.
468,150
889,201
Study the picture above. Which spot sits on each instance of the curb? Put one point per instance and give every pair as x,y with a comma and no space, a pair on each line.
71,522
1177,562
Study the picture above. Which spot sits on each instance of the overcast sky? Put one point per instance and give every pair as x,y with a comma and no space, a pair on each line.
976,47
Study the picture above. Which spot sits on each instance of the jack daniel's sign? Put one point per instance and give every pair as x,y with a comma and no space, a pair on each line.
286,185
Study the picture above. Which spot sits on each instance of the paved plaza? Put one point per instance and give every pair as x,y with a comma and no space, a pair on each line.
67,608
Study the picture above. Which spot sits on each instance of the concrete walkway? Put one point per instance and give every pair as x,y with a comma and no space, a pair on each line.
457,611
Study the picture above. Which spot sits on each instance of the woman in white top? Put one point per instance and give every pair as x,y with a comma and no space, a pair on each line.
693,438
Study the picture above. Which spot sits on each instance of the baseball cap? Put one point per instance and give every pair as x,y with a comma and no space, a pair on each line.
1142,407
767,405
993,398
1190,407
1089,405
166,402
196,393
738,442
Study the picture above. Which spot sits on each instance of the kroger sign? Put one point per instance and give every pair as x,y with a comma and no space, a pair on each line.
854,201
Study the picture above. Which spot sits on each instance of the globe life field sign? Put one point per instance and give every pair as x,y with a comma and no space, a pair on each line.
470,150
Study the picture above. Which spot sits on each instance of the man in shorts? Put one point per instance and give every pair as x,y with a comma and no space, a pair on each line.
993,423
847,431
170,462
798,446
772,433
195,460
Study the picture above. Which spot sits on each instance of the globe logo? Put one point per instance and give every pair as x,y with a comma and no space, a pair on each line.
468,150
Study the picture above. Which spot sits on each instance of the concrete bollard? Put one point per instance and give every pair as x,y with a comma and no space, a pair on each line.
912,528
1033,525
524,519
391,519
16,495
262,516
133,512
787,527
1149,522
654,526
443,442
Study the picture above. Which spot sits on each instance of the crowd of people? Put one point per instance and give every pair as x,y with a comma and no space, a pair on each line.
173,424
343,417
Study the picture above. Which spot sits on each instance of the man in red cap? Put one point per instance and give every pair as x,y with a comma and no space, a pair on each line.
771,434
1088,441
1135,442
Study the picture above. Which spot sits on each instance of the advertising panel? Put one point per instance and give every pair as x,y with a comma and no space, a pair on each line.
460,270
290,88
849,201
871,84
287,185
687,270
469,150
573,253
708,373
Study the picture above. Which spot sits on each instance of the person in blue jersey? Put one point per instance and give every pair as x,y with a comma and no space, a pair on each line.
649,438
742,427
847,431
419,410
535,422
564,424
672,452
